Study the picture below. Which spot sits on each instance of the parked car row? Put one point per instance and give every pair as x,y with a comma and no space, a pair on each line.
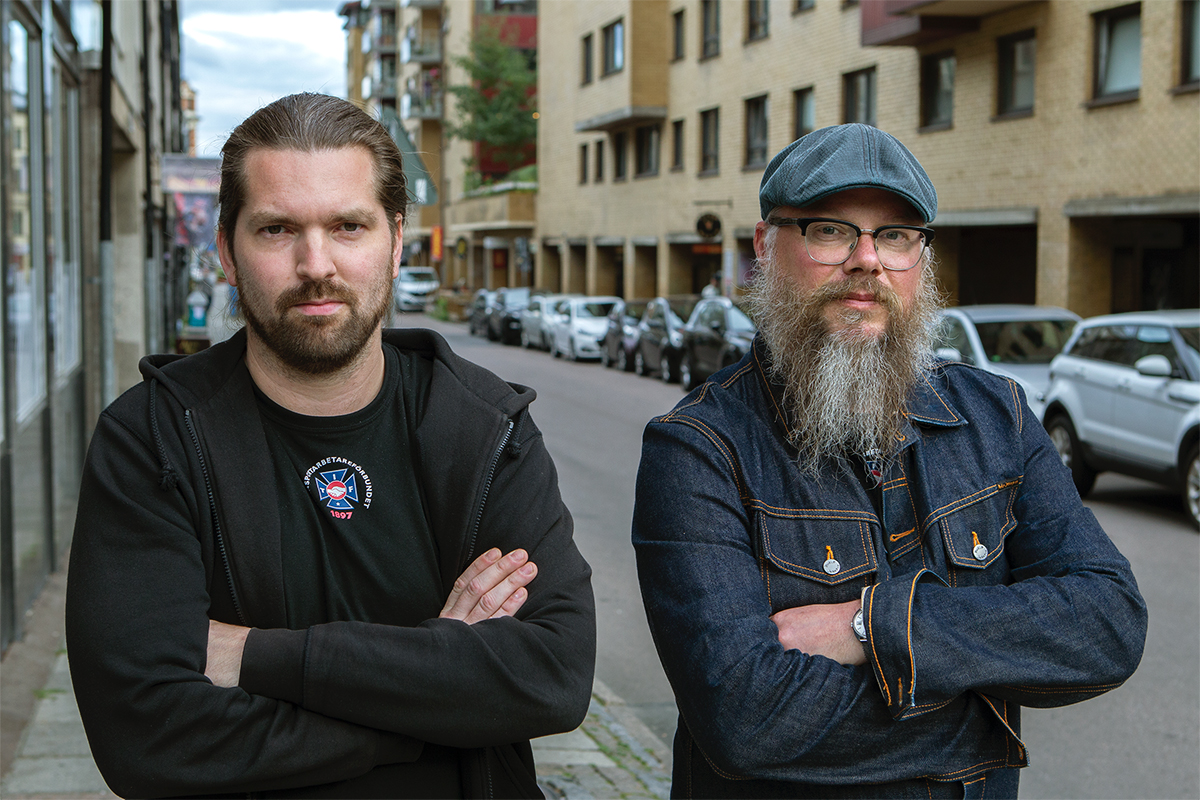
1116,393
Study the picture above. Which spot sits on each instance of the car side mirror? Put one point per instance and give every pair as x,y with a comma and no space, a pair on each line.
1154,366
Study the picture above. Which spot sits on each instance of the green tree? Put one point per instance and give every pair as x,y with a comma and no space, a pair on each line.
496,107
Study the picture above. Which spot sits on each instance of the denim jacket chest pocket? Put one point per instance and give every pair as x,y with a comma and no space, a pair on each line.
967,537
814,555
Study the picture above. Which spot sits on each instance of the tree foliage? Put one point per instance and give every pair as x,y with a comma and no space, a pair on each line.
496,106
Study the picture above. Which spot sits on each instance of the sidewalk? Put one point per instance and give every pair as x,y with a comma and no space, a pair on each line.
612,755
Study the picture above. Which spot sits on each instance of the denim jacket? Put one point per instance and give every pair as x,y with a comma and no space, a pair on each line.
986,586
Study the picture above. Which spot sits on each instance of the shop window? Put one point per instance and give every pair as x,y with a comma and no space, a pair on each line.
858,96
614,47
803,113
756,131
937,91
710,42
1016,58
710,142
1118,54
646,142
757,20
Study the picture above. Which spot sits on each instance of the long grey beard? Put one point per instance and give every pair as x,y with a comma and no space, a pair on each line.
844,391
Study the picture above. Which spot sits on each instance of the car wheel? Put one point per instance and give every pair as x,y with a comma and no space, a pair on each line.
1191,486
605,359
525,340
685,373
664,369
623,359
639,363
571,355
1062,434
492,335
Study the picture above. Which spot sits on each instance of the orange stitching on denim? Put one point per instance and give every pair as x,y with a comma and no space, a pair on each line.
711,435
895,537
937,515
815,513
953,417
912,591
875,655
732,378
1098,687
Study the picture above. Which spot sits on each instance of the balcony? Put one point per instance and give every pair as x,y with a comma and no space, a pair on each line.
911,23
505,206
421,105
421,48
421,3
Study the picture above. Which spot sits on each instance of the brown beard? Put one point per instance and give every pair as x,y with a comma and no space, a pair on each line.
844,391
316,345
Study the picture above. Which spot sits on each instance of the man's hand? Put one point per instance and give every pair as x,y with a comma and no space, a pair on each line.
491,587
821,630
225,645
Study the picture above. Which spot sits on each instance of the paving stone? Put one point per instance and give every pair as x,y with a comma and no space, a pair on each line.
52,776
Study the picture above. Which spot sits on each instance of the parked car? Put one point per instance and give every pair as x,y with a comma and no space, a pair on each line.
620,339
1125,396
660,336
717,334
537,320
1016,341
481,307
504,318
414,287
580,326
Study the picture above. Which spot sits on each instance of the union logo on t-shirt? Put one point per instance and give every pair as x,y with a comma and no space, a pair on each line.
341,484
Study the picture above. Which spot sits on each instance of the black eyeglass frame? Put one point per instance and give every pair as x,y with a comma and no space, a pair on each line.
803,222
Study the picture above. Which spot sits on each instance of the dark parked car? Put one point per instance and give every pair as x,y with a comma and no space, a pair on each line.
717,334
660,336
504,319
481,306
620,340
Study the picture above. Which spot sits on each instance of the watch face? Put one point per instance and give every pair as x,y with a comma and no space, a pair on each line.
860,630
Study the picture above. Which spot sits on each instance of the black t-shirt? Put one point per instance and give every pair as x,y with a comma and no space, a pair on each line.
356,542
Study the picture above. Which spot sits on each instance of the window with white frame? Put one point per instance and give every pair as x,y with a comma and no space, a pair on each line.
1118,47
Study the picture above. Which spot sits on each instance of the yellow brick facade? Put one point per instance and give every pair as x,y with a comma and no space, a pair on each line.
1075,204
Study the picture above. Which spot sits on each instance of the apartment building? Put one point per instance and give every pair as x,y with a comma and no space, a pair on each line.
91,102
1063,138
400,61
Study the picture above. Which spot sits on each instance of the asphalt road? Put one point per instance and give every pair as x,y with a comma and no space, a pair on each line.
1140,741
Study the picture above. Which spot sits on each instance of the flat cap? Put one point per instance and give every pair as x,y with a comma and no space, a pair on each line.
843,157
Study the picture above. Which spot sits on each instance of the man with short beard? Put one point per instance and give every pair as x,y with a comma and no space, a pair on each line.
322,559
859,563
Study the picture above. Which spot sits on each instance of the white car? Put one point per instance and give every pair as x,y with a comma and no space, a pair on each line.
537,320
1125,396
580,326
414,287
1016,341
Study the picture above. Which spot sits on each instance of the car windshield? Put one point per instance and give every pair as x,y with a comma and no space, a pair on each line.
594,309
634,311
739,322
681,310
1191,338
410,274
1026,341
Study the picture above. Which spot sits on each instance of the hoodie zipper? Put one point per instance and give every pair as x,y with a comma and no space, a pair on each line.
212,508
487,486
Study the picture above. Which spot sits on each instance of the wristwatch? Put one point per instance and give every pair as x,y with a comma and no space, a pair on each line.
860,630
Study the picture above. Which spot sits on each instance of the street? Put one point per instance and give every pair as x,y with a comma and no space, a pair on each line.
1140,740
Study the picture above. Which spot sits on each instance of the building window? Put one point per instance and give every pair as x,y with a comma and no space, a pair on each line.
710,141
1118,65
710,41
679,48
585,59
614,47
937,90
1016,70
757,20
646,141
858,96
756,131
1191,43
803,113
583,163
620,142
803,5
677,144
599,161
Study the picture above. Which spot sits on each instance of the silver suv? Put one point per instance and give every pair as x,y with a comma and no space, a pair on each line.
1125,396
415,287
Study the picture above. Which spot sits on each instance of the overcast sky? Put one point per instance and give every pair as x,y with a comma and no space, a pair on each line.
239,55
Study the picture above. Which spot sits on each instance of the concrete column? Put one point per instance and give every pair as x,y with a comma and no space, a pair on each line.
1052,254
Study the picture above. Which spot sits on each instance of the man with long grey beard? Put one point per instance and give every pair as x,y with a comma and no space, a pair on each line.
859,563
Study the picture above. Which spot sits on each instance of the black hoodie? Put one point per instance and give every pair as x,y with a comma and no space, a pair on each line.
178,523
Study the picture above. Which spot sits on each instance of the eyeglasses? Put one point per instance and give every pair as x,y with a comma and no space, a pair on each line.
831,241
